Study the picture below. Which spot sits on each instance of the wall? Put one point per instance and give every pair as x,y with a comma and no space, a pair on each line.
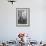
37,29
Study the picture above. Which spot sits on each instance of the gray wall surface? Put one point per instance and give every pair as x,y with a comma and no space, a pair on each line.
37,29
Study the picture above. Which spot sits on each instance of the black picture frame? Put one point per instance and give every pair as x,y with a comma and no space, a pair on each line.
22,17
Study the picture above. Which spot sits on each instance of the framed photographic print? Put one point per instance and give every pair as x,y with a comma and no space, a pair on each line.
22,17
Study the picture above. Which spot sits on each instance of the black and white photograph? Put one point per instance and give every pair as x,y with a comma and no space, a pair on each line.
22,16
